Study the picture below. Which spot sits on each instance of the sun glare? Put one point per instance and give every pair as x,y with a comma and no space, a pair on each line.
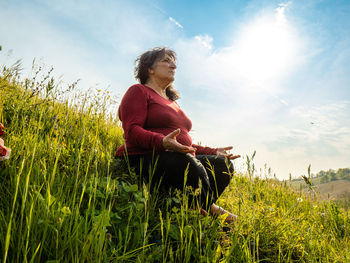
266,48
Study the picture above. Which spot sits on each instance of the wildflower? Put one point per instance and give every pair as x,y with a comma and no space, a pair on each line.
299,199
2,129
4,152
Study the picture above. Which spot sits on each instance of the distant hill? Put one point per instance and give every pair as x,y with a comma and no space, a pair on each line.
329,185
339,189
326,176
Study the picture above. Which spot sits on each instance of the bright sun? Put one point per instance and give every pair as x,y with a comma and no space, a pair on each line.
267,48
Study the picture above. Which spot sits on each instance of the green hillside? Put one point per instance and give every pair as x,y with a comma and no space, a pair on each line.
64,198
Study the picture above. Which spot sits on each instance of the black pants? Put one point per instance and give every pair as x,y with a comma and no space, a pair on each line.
169,169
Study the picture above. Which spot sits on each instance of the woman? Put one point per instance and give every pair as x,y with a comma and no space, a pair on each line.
156,134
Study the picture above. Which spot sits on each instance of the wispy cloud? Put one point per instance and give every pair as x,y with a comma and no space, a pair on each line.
97,48
243,89
171,19
258,61
280,12
175,22
328,124
320,131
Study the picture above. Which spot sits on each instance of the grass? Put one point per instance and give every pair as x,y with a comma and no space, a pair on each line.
64,197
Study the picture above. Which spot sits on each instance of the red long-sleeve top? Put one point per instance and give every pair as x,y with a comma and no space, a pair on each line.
147,118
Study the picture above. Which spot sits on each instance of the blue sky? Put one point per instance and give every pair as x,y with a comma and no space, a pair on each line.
270,76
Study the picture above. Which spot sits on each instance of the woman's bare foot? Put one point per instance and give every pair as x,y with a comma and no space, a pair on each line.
217,210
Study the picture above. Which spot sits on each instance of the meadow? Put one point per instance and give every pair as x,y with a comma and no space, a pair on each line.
65,198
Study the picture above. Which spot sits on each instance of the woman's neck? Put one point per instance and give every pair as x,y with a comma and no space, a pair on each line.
158,87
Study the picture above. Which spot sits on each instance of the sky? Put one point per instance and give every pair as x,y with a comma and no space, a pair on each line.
265,76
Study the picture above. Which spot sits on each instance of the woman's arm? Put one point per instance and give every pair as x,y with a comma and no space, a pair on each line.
133,111
204,150
215,151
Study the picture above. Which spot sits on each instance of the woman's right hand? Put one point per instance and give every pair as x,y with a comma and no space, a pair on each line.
170,142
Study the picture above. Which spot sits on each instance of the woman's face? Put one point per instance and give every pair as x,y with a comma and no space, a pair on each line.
164,69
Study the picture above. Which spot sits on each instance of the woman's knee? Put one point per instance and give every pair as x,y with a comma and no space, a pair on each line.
195,170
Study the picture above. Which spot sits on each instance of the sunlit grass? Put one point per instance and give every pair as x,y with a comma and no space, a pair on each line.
65,198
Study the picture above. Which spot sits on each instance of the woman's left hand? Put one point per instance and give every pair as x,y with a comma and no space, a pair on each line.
223,152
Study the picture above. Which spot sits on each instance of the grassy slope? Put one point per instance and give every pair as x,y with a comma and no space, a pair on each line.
64,197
